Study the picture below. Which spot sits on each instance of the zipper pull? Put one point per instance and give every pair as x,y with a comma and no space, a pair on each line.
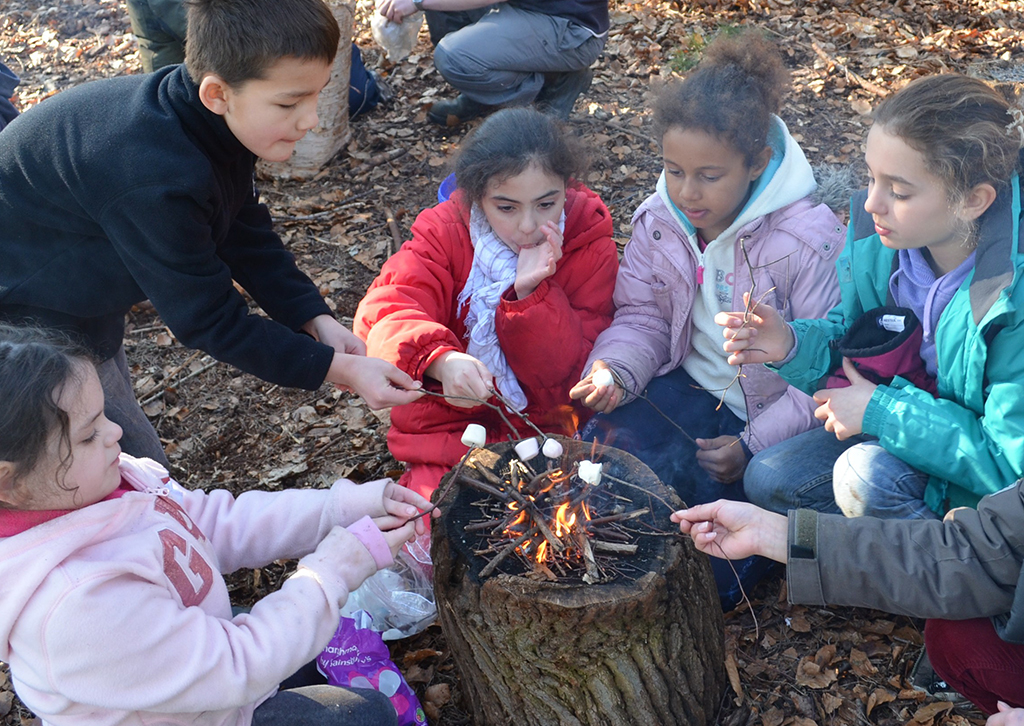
700,274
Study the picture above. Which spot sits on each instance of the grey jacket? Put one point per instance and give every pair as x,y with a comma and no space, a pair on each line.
967,565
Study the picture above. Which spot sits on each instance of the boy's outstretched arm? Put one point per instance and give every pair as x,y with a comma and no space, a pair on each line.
378,382
733,530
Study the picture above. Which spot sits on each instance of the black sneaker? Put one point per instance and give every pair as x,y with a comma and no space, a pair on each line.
924,678
559,94
456,111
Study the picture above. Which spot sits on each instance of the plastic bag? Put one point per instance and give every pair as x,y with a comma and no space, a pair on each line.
396,39
400,598
357,657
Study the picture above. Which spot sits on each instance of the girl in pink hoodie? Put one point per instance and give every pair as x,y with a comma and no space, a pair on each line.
114,609
733,213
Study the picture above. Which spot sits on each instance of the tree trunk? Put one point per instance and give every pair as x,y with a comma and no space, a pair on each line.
646,651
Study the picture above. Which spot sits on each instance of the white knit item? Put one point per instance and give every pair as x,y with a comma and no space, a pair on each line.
493,272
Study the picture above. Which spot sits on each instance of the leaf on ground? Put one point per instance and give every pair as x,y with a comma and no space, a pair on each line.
860,664
813,675
879,696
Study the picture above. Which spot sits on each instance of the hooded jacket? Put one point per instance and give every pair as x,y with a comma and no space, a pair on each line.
117,613
970,438
791,244
410,316
968,565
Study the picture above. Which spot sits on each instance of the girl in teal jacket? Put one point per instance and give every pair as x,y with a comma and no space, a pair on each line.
937,234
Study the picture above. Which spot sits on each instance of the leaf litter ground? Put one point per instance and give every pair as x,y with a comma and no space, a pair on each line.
221,428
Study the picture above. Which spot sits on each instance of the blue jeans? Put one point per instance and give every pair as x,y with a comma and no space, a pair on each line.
856,477
640,430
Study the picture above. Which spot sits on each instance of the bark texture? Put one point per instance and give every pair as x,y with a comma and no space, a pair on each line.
647,651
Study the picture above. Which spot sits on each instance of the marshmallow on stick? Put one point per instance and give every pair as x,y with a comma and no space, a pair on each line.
603,378
475,435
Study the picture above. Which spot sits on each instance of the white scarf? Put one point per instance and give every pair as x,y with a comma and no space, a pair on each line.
493,272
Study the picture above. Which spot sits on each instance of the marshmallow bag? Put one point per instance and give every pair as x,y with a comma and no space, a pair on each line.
357,657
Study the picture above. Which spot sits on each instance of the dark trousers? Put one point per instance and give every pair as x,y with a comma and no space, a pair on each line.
305,699
976,662
8,82
639,429
139,438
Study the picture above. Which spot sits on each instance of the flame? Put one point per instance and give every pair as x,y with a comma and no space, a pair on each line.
563,525
517,521
542,551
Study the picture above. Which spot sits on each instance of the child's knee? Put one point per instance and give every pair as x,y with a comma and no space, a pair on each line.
850,480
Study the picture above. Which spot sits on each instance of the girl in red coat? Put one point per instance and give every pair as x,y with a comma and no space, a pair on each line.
503,287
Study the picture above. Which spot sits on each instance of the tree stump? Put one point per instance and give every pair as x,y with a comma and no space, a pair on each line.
320,144
646,651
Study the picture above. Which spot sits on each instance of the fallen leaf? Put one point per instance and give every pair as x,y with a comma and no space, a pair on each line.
878,697
929,711
734,675
861,106
830,702
438,694
799,624
860,664
812,675
417,656
773,717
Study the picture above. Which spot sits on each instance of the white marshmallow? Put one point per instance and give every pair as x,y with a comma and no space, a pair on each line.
603,378
552,449
590,472
527,449
474,435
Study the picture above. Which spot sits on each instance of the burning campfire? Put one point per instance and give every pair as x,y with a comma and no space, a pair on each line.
553,516
566,594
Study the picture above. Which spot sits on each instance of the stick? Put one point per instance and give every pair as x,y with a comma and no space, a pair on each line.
193,374
500,557
478,526
485,488
487,474
396,233
859,80
619,517
593,575
634,486
378,159
447,487
616,547
325,213
174,371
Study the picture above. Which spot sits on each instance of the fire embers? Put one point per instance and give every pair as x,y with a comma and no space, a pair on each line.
560,518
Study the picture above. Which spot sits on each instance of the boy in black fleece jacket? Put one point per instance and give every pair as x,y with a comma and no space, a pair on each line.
142,187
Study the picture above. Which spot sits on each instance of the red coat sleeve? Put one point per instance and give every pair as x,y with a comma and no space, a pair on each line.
409,314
